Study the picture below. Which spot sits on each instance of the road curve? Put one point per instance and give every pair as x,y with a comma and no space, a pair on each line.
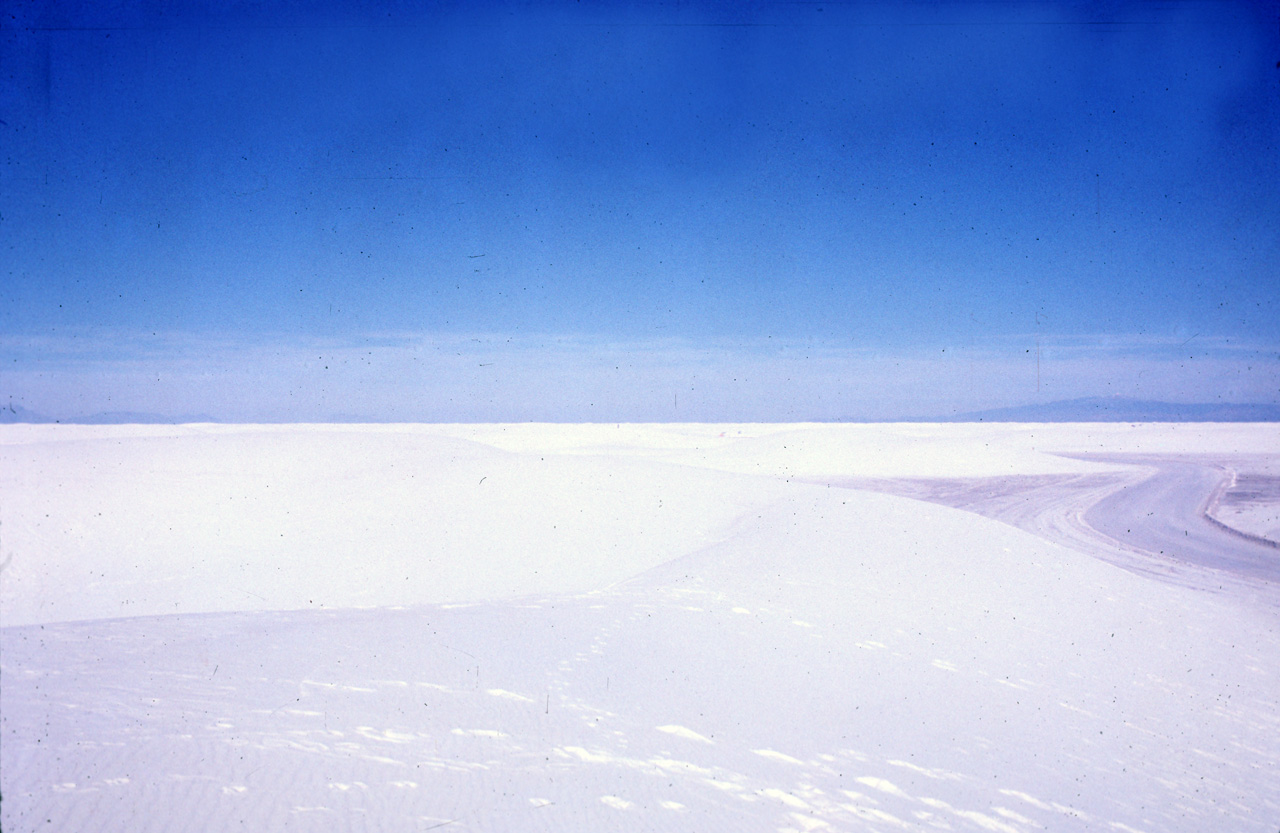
1148,515
1165,515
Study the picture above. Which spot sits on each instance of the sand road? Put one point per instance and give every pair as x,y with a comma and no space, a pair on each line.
1150,515
1165,514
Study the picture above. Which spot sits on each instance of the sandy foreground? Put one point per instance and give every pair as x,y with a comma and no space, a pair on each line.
663,627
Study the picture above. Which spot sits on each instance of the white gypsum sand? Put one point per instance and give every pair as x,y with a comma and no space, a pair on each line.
665,627
1248,499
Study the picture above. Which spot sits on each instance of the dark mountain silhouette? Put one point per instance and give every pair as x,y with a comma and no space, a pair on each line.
12,413
1107,409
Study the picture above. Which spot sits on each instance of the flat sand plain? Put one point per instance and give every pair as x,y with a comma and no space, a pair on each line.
654,627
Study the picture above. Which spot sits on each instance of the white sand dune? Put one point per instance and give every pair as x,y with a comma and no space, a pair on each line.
512,628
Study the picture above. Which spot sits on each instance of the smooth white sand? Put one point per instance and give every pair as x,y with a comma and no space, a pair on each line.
604,627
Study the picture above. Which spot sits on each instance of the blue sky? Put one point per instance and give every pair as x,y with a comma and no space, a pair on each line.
573,211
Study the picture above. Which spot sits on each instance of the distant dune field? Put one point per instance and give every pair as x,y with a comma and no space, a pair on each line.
978,627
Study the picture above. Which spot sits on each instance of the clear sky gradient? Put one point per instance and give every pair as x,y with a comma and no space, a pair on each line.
627,211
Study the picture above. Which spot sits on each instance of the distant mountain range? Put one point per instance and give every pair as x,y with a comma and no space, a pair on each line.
1107,409
11,413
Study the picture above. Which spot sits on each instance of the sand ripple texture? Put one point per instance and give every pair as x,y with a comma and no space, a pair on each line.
814,657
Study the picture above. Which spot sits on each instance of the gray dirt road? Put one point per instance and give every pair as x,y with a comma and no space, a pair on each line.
1148,517
1165,515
